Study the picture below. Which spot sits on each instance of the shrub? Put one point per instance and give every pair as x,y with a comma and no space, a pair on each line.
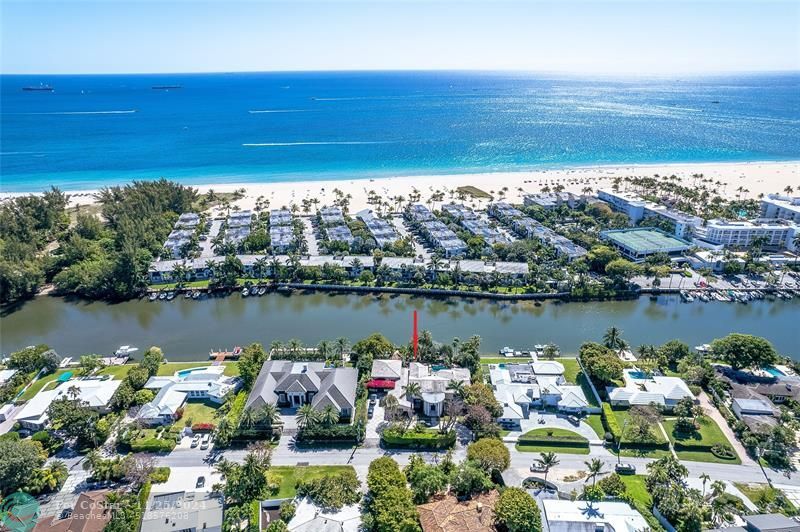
516,511
287,511
152,445
334,433
332,492
490,453
393,437
724,451
612,485
159,475
610,422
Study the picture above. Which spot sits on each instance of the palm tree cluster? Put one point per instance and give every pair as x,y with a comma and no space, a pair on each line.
307,417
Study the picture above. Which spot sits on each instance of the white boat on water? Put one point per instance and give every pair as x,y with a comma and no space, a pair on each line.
153,296
162,296
170,296
125,351
196,294
262,291
245,292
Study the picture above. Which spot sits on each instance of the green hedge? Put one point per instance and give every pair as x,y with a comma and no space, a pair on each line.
159,475
153,445
610,422
554,442
418,440
255,514
334,433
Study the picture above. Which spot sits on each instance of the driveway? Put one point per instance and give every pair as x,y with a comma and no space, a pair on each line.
419,249
185,479
712,412
373,435
311,238
206,247
553,421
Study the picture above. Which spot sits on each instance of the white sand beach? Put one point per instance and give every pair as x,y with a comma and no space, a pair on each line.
756,177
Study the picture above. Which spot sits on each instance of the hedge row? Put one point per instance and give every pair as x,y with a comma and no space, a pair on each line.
334,433
577,438
610,422
153,445
418,440
554,442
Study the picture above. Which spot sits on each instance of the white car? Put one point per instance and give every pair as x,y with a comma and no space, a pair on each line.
205,441
195,441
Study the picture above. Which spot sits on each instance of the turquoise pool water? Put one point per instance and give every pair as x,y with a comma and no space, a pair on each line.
185,372
774,371
639,375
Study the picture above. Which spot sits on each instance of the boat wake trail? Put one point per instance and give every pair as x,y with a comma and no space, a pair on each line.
263,111
123,112
328,143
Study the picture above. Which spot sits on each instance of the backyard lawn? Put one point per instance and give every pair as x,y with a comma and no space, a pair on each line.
34,388
553,440
695,446
200,412
116,372
596,422
656,449
574,375
290,475
637,490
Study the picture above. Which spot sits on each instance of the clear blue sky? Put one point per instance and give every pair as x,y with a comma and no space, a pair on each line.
75,36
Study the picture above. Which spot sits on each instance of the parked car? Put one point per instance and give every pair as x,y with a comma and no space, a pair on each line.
625,469
205,441
574,420
537,467
201,481
195,441
66,512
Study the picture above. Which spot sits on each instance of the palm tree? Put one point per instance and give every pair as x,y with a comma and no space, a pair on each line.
295,346
260,266
324,349
705,478
390,405
594,468
342,345
248,418
211,266
412,390
457,388
547,462
329,416
306,416
267,415
612,339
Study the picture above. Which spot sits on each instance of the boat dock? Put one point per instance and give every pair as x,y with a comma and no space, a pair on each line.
221,356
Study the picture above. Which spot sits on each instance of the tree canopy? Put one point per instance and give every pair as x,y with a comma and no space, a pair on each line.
744,351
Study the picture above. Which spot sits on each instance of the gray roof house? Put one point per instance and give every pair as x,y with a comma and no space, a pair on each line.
292,384
762,523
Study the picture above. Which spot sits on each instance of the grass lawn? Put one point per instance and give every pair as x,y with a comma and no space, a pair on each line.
290,475
116,372
767,498
573,443
574,375
596,422
36,387
708,434
200,412
637,489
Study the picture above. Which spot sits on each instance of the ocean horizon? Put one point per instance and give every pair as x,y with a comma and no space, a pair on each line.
98,130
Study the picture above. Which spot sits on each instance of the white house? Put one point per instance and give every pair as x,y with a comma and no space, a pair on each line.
164,407
644,389
521,388
571,516
205,382
433,387
6,374
96,393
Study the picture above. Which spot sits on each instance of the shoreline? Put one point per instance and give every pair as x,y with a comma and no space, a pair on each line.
758,177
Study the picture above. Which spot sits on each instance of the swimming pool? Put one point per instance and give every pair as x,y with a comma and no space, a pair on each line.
639,375
185,372
774,371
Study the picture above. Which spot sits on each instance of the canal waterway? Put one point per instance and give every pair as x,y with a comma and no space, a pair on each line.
188,330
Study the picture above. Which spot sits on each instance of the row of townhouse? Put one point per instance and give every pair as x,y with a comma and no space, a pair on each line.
529,228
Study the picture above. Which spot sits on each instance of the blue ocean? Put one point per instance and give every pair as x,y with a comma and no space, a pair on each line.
92,131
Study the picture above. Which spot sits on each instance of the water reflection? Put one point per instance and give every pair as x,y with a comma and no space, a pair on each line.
188,329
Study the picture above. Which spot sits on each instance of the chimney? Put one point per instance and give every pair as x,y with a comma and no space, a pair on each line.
479,507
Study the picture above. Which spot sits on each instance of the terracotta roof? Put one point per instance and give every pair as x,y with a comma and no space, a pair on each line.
88,515
449,515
